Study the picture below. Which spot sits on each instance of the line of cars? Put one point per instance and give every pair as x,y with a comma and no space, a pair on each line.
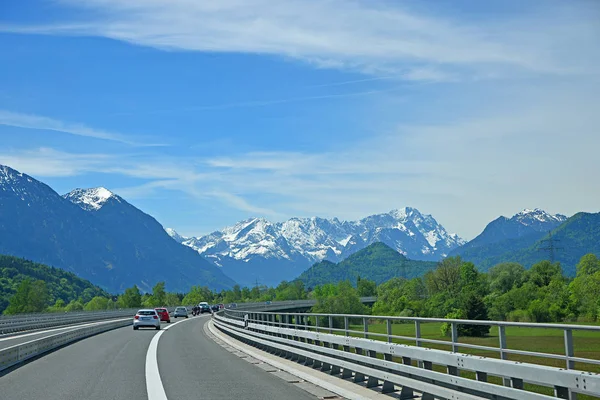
152,318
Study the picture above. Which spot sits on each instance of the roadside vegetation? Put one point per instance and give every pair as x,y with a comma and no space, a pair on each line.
455,289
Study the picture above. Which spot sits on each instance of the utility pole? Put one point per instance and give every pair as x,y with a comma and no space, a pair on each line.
551,248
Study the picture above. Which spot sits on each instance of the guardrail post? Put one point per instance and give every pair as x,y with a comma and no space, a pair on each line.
563,392
503,354
569,349
429,366
418,340
330,324
366,327
452,370
454,337
388,323
346,325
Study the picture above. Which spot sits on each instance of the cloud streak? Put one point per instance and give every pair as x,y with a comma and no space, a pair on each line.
373,37
466,172
29,121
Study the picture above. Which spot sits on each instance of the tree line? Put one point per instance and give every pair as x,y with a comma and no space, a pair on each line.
455,289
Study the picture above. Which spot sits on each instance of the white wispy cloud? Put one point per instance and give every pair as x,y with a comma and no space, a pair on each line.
538,152
30,121
374,37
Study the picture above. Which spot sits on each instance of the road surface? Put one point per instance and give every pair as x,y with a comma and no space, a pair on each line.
123,364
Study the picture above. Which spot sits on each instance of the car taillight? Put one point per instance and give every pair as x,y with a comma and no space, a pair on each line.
137,317
155,317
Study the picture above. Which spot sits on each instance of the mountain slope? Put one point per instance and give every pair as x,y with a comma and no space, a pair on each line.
376,262
257,249
527,223
575,237
61,284
96,235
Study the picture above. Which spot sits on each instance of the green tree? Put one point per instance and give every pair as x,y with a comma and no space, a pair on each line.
585,289
97,303
475,309
131,298
30,297
365,287
343,299
589,264
505,276
445,277
172,300
158,295
196,295
390,297
542,273
74,305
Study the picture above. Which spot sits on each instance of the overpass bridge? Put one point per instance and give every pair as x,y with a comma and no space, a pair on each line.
278,351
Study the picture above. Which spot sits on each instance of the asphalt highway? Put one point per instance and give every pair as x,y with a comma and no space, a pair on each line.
176,363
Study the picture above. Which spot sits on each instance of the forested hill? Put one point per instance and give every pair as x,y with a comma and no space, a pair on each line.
377,262
58,284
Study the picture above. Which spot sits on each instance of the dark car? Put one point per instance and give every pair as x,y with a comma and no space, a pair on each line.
204,308
215,307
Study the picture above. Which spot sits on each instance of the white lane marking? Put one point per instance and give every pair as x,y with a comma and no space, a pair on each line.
61,329
154,386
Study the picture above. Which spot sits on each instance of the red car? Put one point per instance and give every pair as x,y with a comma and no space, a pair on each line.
163,314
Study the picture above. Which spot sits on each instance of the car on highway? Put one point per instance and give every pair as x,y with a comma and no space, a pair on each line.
180,312
163,313
146,318
215,307
204,308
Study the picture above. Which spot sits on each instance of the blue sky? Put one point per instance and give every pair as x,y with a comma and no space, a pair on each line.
206,113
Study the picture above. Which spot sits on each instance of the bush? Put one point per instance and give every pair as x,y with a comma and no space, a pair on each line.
446,327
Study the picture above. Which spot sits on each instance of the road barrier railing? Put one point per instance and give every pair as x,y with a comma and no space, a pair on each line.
326,341
10,324
286,305
19,353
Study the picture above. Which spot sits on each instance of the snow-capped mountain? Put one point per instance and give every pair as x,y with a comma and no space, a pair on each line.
97,235
91,199
538,219
271,252
176,236
527,223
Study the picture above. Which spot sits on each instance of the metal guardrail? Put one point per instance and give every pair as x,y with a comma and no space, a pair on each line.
285,305
29,322
21,352
353,353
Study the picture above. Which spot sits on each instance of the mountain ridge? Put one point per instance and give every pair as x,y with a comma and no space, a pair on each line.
247,249
104,240
577,235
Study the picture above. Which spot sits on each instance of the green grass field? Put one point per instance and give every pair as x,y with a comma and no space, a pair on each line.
586,343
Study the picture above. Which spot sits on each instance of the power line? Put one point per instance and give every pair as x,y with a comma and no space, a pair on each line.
551,248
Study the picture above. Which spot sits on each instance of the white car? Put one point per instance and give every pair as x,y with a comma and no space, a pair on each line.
180,312
146,317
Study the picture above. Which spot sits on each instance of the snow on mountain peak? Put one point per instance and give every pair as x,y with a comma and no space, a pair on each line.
176,236
314,239
91,199
537,216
